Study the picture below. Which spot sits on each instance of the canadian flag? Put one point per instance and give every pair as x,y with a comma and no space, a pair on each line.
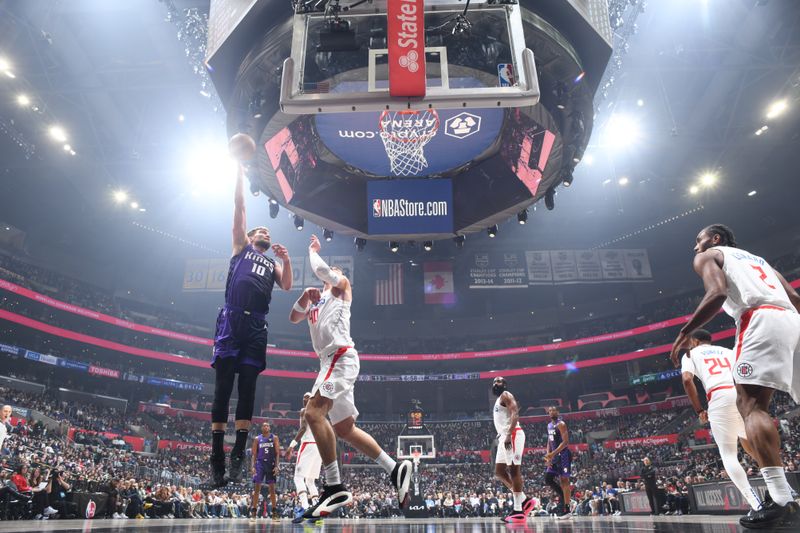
439,287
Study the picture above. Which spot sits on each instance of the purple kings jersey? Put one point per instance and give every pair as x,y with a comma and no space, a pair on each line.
251,277
266,448
553,435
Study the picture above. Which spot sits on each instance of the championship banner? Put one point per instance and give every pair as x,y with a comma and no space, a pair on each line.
439,287
498,270
539,270
565,268
398,207
613,264
406,36
637,264
587,263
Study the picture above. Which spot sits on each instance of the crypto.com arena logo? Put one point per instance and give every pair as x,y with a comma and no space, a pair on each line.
462,125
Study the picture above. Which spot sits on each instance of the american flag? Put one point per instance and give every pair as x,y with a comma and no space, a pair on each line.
389,284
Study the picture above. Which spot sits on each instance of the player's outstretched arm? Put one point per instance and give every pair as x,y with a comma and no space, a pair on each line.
321,268
793,296
706,266
240,239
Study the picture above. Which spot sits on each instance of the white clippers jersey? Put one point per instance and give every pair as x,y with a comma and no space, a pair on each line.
329,323
502,419
712,364
751,282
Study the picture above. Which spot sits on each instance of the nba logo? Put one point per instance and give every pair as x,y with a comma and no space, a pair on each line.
376,208
505,72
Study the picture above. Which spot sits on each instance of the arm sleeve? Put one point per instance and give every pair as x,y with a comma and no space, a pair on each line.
323,271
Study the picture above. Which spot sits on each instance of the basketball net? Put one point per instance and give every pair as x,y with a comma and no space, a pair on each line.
415,457
405,134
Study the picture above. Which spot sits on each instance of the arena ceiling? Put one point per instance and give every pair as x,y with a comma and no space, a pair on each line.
116,77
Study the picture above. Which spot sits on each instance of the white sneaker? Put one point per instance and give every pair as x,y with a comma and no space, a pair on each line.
565,516
49,510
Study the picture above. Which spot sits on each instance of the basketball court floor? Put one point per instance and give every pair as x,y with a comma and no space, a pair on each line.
621,524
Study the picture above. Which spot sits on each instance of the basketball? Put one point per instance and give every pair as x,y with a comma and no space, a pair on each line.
242,147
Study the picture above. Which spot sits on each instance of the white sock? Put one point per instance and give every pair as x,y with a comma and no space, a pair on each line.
779,489
303,500
737,474
386,462
332,474
519,497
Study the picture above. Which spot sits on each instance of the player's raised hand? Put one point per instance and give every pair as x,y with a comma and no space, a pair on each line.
680,343
315,246
280,252
313,294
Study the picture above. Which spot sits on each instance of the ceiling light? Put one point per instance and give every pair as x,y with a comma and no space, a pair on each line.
492,231
142,209
58,133
640,102
588,159
327,235
67,148
777,108
762,129
694,189
181,118
299,222
566,179
273,210
4,64
254,190
10,74
23,100
622,131
522,216
708,179
428,246
623,181
209,166
134,205
606,181
459,240
360,244
394,246
120,196
752,193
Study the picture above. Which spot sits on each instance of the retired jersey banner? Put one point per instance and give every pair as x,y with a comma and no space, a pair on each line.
498,270
539,269
406,36
439,287
396,207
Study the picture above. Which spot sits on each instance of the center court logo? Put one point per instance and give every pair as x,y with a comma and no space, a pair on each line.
744,370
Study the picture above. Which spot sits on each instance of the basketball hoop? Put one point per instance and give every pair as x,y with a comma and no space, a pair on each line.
405,134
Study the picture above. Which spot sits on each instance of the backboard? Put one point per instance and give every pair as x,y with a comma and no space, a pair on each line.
357,57
423,445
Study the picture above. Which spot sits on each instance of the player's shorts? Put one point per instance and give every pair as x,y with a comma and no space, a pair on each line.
512,455
309,462
561,464
241,335
727,425
264,473
768,349
336,381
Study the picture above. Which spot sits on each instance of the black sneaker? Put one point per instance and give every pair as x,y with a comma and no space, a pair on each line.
332,498
401,479
771,515
235,469
217,479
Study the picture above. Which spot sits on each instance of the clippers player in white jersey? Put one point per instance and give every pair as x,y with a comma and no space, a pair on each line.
328,316
309,463
766,356
510,446
712,366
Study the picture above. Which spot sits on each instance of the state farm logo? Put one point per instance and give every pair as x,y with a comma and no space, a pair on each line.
407,37
409,61
462,125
